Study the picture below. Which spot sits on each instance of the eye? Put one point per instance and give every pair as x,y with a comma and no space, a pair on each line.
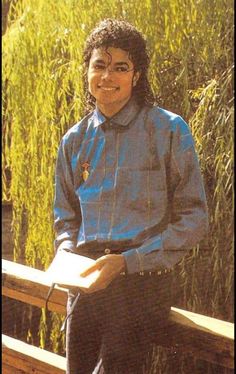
122,69
99,67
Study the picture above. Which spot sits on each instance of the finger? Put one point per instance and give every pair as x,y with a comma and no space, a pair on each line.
90,270
97,266
104,278
101,260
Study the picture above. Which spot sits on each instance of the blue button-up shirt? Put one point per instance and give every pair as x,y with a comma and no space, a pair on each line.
144,195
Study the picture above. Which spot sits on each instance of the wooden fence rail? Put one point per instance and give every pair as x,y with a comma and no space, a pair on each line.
203,337
19,357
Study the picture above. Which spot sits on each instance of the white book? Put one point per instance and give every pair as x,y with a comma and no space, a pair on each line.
66,268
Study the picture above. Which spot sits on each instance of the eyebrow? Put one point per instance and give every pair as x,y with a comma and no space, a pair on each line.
119,63
122,63
99,61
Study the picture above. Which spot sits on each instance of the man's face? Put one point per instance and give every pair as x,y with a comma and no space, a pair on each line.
111,79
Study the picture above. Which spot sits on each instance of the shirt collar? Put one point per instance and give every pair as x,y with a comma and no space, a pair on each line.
122,118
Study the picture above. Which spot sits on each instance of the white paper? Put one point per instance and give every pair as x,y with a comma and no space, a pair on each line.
66,268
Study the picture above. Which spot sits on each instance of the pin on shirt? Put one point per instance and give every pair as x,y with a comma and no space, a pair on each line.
85,173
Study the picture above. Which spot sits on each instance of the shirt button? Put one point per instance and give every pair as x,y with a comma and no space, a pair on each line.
107,251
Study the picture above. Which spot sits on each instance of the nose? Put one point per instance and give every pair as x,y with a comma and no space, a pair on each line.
106,73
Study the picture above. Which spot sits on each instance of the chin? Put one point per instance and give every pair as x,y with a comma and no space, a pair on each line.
107,100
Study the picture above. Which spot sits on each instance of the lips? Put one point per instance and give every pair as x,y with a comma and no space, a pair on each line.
109,89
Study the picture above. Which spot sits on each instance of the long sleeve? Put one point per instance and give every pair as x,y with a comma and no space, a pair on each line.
188,222
67,216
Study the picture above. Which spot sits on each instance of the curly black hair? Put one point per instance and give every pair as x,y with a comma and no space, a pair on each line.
120,34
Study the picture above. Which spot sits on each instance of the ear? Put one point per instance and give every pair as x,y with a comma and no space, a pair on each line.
136,78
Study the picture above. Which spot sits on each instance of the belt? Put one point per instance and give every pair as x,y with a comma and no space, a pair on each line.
152,273
107,251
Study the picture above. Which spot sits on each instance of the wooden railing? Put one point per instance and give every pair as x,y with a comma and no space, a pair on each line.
203,337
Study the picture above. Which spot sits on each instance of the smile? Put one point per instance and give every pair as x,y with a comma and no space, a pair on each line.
108,88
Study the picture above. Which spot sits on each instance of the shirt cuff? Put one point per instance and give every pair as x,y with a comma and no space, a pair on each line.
131,261
144,258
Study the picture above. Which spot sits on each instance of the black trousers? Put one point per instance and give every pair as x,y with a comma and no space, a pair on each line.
114,329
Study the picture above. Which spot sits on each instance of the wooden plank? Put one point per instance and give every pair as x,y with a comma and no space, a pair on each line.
9,370
203,323
29,285
204,337
25,358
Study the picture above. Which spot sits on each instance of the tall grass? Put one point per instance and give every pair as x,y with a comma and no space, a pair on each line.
191,74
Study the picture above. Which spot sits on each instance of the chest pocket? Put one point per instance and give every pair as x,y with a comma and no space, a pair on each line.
141,190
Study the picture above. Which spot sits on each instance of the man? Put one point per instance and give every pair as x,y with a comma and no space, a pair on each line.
129,194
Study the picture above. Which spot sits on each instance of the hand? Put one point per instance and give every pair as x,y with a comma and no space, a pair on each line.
110,267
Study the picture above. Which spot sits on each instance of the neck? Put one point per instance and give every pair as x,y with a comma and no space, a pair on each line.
109,110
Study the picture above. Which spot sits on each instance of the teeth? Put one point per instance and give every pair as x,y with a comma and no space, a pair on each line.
108,88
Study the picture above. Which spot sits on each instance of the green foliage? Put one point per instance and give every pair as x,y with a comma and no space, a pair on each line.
215,143
191,73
